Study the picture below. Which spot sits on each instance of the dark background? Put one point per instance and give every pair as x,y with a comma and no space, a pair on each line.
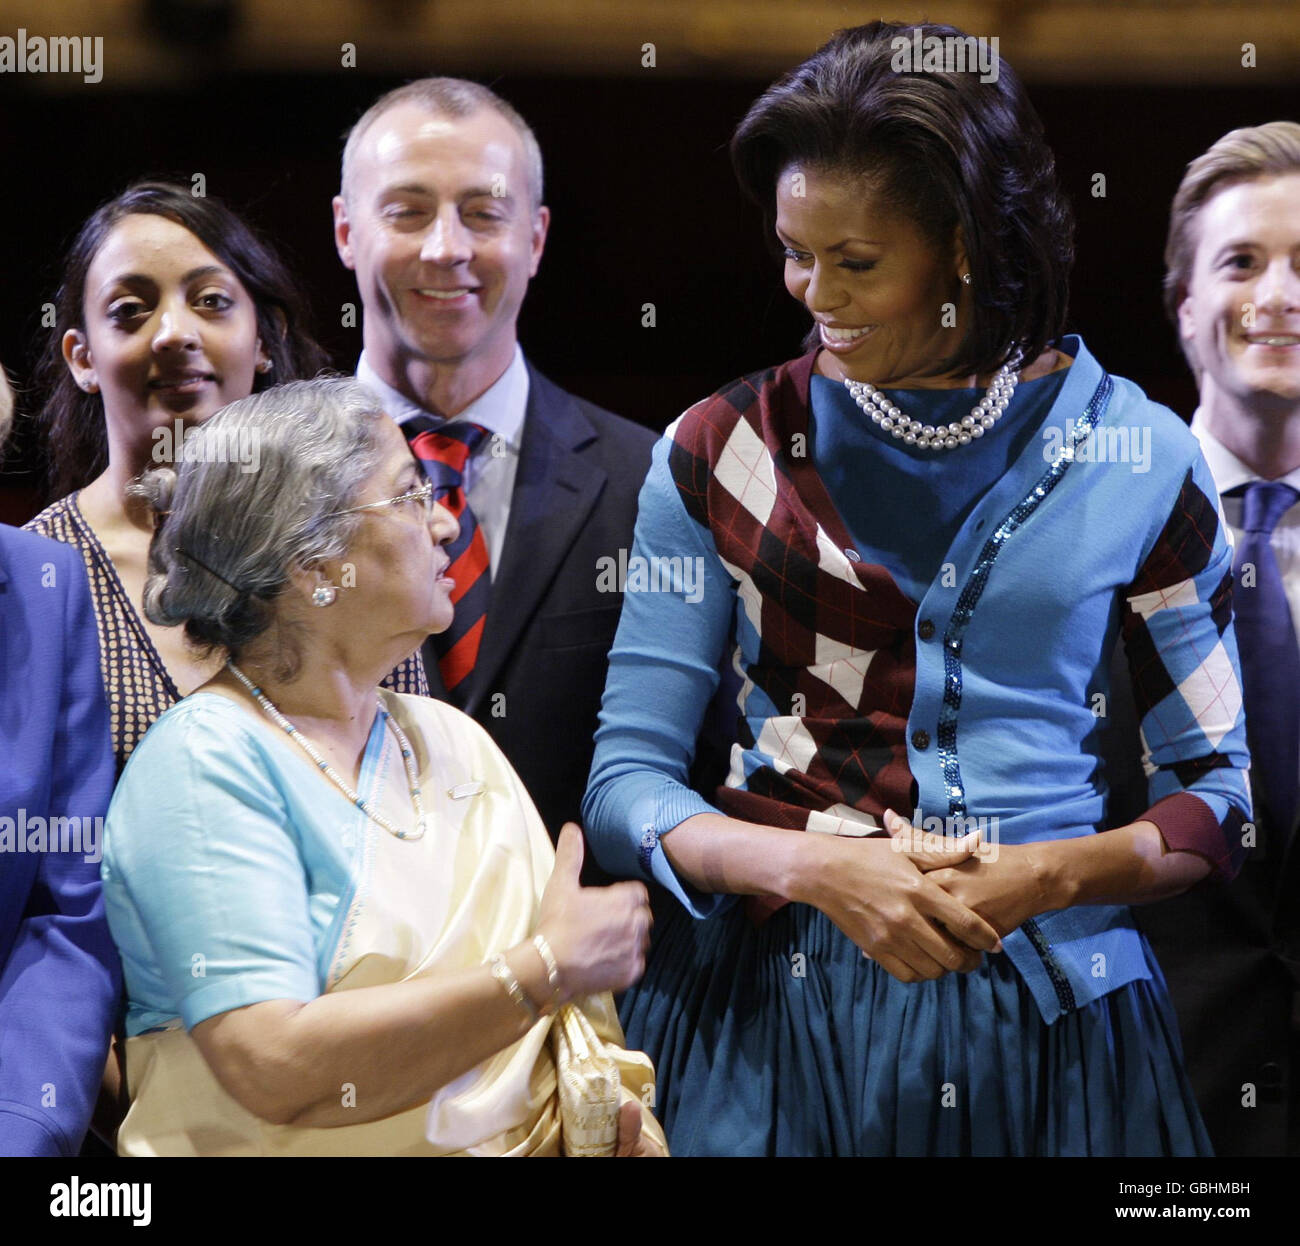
644,208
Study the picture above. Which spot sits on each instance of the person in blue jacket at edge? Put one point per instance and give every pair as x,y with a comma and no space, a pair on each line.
60,979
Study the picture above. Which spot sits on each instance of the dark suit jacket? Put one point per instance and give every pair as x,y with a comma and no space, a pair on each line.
1231,957
541,668
60,977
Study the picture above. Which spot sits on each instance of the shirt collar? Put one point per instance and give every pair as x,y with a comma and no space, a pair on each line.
499,408
1228,470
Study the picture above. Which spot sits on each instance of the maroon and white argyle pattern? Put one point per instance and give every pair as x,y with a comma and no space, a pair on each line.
829,654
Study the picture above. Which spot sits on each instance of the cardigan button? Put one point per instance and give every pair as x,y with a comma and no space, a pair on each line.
926,629
920,740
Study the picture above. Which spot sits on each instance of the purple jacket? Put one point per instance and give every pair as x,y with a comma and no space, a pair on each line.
60,978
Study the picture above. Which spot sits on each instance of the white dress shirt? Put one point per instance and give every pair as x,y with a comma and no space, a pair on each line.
490,472
1230,472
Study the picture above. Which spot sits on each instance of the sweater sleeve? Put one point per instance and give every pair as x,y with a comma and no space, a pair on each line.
60,986
678,607
1182,654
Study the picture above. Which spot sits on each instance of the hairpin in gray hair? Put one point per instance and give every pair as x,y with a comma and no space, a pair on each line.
199,562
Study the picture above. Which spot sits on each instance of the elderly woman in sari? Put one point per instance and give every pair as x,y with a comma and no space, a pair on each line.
342,926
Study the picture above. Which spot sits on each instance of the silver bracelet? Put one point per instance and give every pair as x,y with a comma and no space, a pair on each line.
552,969
502,972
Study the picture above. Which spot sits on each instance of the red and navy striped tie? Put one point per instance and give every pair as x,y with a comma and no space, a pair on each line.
444,449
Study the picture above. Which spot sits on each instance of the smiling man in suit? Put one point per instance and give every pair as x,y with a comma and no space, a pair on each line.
1231,954
440,216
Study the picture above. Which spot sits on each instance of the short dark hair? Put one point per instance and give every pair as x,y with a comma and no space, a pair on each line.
945,149
73,420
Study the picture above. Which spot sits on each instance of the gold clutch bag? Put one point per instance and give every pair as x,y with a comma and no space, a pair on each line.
589,1085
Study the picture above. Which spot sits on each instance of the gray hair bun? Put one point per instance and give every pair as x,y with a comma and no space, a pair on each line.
256,495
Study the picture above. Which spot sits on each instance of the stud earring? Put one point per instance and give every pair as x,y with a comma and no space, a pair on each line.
965,279
265,365
323,595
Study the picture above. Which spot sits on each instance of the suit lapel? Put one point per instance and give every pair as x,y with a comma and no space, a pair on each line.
556,487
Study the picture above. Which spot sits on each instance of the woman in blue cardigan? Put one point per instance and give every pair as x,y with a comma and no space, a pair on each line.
59,972
917,547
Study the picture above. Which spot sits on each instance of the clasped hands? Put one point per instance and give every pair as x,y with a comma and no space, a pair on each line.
920,910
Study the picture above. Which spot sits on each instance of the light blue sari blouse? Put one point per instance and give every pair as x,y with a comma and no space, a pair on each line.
235,916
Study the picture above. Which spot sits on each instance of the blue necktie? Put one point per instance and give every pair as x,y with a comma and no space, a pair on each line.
1270,659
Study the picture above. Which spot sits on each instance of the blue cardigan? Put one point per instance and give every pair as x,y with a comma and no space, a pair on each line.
60,979
1013,650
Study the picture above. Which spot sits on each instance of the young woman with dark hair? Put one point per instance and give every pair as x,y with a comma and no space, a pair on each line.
170,307
919,544
74,412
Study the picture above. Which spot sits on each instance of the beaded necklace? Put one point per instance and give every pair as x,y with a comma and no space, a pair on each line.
913,432
408,759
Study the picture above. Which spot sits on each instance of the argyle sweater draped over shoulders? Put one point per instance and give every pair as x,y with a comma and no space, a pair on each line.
982,701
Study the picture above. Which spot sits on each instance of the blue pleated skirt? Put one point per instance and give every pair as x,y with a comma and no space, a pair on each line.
782,1039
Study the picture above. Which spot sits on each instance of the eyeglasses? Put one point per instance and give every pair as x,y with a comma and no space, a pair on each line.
423,497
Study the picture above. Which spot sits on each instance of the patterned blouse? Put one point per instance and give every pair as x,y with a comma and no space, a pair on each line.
138,685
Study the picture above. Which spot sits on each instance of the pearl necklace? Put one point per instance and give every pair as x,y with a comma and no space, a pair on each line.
987,412
408,759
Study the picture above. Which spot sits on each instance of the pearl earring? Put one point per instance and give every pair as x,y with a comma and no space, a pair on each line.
323,595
